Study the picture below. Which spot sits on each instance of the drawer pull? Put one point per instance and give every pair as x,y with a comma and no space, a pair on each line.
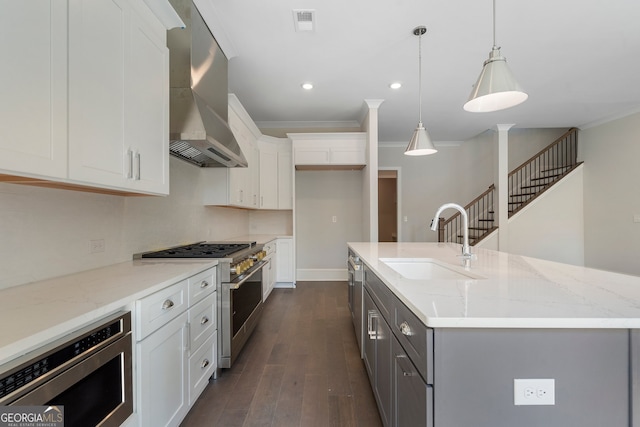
204,284
405,373
406,329
167,304
204,320
205,363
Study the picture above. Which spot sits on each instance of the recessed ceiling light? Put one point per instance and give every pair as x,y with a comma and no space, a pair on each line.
307,86
395,85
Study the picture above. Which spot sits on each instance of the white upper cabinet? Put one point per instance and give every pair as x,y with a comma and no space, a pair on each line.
236,186
85,101
118,97
33,88
344,150
268,174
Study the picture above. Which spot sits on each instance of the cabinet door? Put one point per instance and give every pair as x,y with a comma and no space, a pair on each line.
240,179
369,354
162,375
147,104
384,365
98,59
33,88
284,261
285,180
412,397
268,178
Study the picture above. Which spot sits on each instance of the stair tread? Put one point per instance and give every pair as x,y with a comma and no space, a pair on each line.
523,194
546,177
534,186
487,219
558,168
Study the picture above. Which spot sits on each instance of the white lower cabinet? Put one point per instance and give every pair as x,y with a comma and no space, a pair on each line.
176,350
162,375
284,261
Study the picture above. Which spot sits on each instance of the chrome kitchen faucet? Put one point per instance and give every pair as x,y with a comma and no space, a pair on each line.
466,249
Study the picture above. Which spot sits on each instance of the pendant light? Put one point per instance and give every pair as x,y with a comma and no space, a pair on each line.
496,88
420,144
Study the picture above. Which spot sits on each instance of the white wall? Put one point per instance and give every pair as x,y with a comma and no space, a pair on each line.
552,227
321,245
46,232
611,197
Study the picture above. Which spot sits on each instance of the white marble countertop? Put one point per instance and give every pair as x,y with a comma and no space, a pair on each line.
37,313
511,291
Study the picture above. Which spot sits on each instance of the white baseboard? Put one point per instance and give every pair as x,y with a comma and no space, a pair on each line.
321,274
284,285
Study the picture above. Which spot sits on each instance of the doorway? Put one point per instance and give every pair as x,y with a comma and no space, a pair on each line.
388,205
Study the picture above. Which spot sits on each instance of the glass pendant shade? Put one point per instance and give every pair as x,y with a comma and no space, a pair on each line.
496,88
420,144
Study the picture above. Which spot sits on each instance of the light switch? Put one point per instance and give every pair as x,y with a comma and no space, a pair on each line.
636,217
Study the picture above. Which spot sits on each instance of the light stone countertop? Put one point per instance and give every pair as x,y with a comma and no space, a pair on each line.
514,291
37,313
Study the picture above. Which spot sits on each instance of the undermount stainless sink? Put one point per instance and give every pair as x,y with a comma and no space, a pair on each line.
427,269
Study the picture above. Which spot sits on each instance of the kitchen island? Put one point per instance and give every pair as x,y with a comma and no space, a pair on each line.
469,329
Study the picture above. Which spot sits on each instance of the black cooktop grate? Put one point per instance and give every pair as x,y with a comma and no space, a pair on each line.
199,250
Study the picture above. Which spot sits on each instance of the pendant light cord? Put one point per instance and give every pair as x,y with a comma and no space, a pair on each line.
494,24
420,75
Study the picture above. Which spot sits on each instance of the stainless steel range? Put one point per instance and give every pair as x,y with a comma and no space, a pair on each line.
239,289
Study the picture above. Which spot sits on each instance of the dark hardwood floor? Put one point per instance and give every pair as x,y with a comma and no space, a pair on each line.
301,367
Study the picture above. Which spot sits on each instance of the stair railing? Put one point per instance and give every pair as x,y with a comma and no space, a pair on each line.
543,169
480,212
525,183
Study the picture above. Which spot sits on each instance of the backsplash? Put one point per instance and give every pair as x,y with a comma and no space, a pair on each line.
48,232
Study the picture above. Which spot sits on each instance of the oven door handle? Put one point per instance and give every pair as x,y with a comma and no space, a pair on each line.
235,285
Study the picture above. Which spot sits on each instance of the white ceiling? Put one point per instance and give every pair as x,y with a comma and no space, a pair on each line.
579,61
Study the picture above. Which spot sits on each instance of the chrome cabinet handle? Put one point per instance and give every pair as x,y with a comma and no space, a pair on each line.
405,373
371,315
130,168
167,304
204,320
406,329
204,284
137,156
205,363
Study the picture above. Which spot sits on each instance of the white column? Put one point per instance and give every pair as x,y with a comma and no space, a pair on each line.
502,186
370,176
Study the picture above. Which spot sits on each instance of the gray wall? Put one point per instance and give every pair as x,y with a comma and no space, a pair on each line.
611,198
321,248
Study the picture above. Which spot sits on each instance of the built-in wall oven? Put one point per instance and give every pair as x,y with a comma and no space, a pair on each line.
240,290
88,373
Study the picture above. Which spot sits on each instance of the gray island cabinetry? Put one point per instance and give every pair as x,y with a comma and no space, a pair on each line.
438,354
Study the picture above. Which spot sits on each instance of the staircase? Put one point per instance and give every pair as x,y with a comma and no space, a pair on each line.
525,184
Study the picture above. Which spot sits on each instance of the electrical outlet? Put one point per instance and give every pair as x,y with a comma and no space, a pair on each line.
96,246
334,218
534,391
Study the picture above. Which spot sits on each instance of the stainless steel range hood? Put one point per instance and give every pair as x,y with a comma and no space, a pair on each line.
199,132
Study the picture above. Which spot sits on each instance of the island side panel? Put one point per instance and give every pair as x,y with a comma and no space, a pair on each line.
475,368
635,378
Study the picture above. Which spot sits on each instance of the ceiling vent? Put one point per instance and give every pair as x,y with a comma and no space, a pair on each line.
304,20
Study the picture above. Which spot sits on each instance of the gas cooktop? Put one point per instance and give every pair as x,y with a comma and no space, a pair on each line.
200,250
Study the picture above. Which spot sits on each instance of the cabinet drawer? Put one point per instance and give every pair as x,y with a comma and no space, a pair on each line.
381,295
202,365
202,321
201,285
416,339
159,308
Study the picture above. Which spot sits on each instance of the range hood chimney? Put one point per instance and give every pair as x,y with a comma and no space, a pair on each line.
198,129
